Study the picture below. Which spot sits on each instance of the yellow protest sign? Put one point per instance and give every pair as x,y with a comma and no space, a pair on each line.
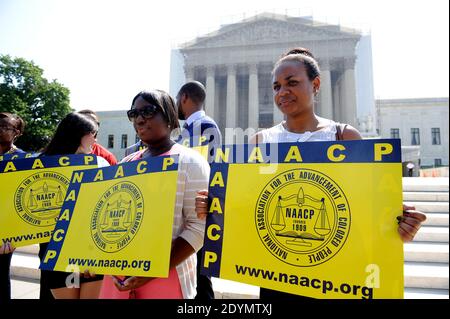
313,219
203,150
117,220
14,156
32,191
198,143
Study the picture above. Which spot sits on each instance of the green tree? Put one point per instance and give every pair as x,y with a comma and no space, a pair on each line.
42,104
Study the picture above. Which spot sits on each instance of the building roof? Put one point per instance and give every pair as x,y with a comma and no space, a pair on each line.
307,24
431,100
110,114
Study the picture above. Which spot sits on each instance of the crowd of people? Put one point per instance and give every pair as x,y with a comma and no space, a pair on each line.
155,115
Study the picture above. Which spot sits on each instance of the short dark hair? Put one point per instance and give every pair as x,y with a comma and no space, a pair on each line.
18,122
87,111
91,114
303,56
195,91
68,134
300,50
164,101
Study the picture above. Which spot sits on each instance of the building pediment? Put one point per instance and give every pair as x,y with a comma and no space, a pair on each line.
269,28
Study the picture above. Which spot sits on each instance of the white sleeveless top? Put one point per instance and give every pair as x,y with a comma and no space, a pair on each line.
278,134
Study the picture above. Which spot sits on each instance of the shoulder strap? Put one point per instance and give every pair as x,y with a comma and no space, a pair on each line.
340,128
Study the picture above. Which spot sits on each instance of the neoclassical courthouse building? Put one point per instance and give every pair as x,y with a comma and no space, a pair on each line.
235,64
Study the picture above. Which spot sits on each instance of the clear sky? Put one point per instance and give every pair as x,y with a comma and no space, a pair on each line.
107,51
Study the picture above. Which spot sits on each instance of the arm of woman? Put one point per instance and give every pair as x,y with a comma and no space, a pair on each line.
181,250
201,204
197,178
349,133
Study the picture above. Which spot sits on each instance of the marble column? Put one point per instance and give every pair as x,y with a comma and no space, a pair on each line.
189,71
253,97
231,97
210,92
349,92
325,93
336,101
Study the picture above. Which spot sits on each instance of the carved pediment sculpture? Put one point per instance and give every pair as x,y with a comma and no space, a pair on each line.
264,30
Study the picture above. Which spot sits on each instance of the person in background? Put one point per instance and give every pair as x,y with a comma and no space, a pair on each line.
75,134
139,146
295,83
11,127
97,149
198,130
410,167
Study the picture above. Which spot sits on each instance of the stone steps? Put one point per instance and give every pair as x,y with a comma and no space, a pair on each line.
426,252
420,184
432,234
429,207
426,268
227,289
425,196
423,293
25,265
436,219
22,288
31,249
426,275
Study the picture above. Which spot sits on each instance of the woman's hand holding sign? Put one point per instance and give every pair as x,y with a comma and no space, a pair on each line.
7,248
410,222
201,204
129,283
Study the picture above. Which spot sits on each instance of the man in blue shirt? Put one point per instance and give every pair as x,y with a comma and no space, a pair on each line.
199,130
201,133
135,147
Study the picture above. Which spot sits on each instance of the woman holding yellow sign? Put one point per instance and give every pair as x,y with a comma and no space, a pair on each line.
75,134
154,116
296,82
11,127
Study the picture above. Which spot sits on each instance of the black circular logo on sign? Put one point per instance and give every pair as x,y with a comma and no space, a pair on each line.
117,217
302,217
39,198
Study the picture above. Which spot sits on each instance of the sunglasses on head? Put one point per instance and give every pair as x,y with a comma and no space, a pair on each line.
146,112
94,133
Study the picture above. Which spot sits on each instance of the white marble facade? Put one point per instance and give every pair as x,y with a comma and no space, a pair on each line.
235,64
116,132
428,117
